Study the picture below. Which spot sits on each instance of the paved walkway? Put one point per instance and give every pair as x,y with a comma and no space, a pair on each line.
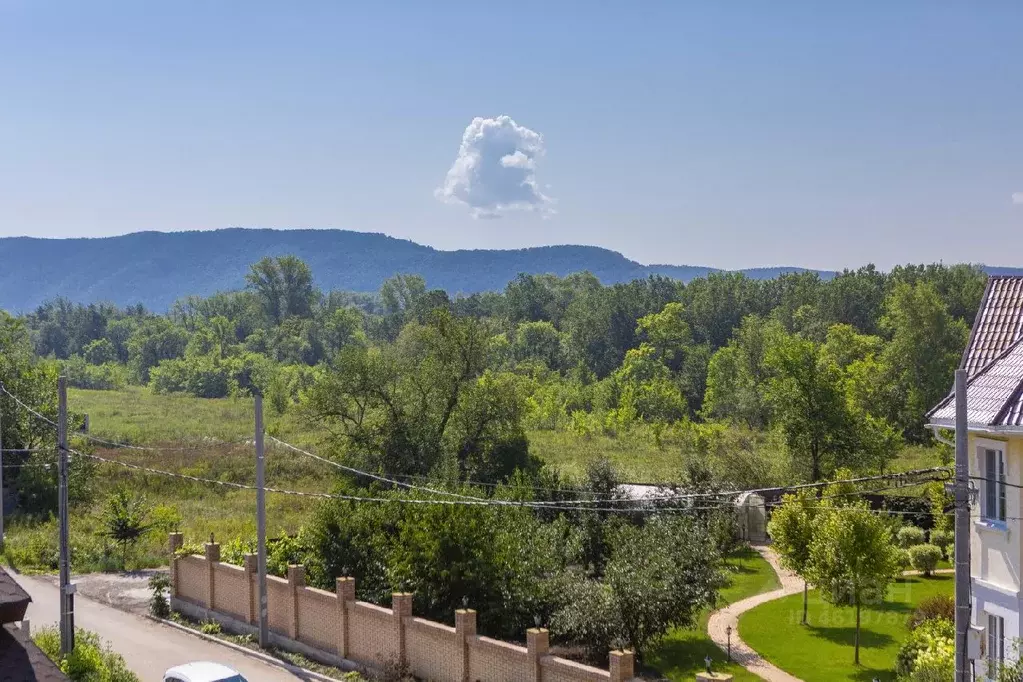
729,616
148,648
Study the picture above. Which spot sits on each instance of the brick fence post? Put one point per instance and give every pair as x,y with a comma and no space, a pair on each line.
345,596
251,564
465,628
296,581
622,663
538,642
212,558
174,543
401,608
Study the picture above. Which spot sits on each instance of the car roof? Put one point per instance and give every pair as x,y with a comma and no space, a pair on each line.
202,670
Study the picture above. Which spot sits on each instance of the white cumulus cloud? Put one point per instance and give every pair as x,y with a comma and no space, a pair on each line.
495,170
1017,197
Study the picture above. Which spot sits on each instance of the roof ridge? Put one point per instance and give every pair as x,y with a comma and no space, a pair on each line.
964,358
1006,406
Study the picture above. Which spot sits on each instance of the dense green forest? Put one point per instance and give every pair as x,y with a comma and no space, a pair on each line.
411,379
740,382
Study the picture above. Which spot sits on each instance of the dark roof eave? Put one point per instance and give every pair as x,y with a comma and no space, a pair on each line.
974,427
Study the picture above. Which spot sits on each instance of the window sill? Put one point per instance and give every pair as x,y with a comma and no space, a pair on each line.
992,526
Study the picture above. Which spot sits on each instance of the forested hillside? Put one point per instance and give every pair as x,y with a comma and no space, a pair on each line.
155,269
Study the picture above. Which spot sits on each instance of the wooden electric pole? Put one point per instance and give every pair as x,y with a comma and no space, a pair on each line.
962,530
67,599
264,625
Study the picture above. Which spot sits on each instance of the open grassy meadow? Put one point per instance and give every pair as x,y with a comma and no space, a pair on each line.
138,416
823,649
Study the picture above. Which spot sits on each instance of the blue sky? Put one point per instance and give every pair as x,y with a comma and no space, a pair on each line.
731,134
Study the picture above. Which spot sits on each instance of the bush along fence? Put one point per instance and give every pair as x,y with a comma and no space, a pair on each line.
335,628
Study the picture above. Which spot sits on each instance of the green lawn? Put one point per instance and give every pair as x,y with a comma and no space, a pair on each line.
680,655
823,649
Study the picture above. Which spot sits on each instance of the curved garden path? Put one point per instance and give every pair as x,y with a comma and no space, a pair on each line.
742,653
729,616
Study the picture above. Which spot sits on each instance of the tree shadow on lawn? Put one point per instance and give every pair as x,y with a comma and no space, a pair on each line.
743,554
846,635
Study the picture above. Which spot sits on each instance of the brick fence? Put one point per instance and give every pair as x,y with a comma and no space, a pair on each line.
334,627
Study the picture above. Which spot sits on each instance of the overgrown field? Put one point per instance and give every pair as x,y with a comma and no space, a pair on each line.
139,416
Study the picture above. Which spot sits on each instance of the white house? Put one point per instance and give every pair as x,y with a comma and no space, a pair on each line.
994,361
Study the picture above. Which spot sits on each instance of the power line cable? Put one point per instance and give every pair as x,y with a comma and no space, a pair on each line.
652,498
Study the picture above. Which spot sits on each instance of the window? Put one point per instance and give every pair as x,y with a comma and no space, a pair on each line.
994,485
995,644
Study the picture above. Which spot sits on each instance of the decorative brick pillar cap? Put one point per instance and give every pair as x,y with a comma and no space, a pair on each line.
538,641
622,664
175,541
212,551
250,562
345,588
465,622
401,603
296,574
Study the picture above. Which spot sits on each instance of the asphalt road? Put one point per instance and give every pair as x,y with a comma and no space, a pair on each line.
148,647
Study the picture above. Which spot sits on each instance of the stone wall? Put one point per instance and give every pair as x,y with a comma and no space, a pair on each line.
336,628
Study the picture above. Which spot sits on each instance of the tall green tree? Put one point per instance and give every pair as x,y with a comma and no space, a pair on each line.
925,347
809,401
853,559
406,407
737,376
285,287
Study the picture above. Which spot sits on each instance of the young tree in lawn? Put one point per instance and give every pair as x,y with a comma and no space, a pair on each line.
791,529
853,558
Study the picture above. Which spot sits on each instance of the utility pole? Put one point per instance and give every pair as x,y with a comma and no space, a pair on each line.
264,625
962,530
1,479
67,599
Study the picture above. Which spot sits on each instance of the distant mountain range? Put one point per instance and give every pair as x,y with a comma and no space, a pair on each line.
156,268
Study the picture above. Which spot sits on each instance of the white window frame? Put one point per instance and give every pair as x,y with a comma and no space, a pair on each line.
995,654
994,474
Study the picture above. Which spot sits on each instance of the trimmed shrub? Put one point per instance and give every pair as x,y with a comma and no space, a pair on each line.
910,536
924,558
933,608
942,539
928,641
904,561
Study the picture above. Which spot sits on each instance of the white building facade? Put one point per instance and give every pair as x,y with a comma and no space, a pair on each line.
994,361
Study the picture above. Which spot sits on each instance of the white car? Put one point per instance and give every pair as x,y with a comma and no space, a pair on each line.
202,671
